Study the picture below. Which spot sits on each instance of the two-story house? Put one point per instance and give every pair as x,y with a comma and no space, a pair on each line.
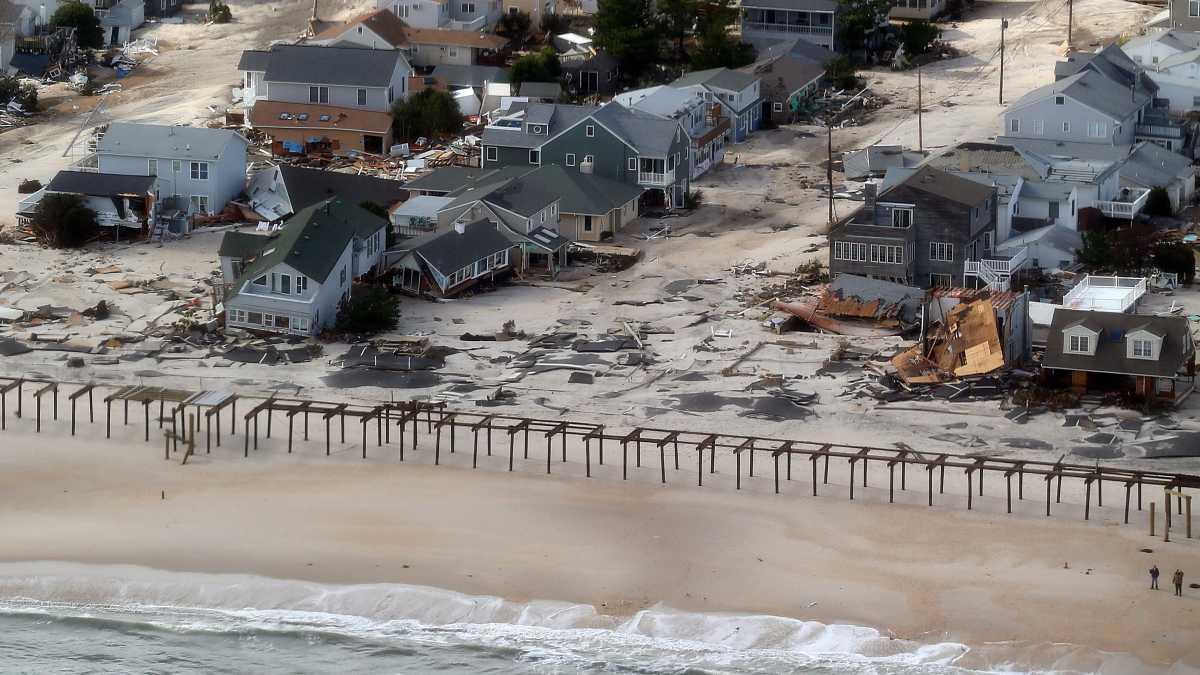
623,144
1183,14
538,10
337,98
815,21
735,91
471,15
919,230
704,121
199,170
1171,59
423,47
446,263
1151,356
294,279
1086,107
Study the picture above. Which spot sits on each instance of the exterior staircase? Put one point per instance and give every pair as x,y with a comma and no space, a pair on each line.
996,274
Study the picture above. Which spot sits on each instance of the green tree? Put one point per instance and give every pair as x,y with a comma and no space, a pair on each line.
219,12
678,18
1097,252
427,113
841,73
1158,203
717,47
918,37
515,27
63,221
539,66
369,310
553,23
1176,257
25,95
82,18
625,29
857,20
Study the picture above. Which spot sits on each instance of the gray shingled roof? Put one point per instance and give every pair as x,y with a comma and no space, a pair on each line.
550,90
724,78
306,187
451,251
650,134
812,5
942,184
469,76
1111,350
348,66
564,117
580,193
1093,90
253,59
156,140
100,184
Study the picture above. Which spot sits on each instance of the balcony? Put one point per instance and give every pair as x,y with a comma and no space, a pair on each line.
996,272
1159,131
474,25
1105,294
749,26
1127,205
659,179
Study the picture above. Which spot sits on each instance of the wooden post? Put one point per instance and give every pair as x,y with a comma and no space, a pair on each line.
1152,519
970,491
891,482
587,456
1008,489
813,461
851,477
1087,498
662,460
1188,516
775,458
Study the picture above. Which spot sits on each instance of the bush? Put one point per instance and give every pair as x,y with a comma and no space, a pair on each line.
25,95
694,199
552,24
371,310
918,36
539,66
1158,203
427,113
841,73
515,26
62,221
1176,257
29,186
219,12
83,19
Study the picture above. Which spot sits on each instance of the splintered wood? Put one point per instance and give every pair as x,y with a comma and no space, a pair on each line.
966,343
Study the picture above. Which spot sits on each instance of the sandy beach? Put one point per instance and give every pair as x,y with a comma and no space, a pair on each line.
932,575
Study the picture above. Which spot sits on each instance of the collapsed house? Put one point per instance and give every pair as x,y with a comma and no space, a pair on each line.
444,264
279,191
123,204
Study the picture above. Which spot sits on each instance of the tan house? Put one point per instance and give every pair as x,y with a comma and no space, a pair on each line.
300,128
424,47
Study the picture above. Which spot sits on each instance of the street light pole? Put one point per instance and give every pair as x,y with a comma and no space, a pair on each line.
1003,27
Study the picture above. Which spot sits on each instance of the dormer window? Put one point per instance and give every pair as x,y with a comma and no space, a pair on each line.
1143,349
1060,100
902,218
1080,344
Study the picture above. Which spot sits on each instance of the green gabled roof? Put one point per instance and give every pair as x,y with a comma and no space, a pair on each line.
242,245
314,239
583,193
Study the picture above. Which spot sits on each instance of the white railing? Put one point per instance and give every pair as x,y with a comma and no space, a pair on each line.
996,272
1125,208
786,28
649,178
28,204
476,24
1105,294
1158,131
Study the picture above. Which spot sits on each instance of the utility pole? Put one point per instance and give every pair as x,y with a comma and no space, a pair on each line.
1070,20
920,129
1003,27
829,166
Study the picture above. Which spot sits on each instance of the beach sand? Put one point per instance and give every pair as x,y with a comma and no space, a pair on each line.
933,575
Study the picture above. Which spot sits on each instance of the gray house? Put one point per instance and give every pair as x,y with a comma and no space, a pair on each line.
736,91
447,263
1086,107
629,146
1183,14
203,169
340,77
919,230
811,20
293,280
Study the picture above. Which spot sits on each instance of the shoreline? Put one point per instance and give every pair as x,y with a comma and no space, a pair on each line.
930,575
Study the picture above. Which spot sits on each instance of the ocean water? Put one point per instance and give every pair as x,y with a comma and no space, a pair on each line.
76,619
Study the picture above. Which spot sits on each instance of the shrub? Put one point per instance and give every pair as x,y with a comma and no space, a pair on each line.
1158,203
83,19
918,36
841,73
427,113
29,186
62,221
539,66
25,95
515,26
694,199
371,310
552,23
1176,257
219,12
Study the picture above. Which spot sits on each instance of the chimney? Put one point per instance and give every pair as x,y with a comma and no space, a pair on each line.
869,199
460,227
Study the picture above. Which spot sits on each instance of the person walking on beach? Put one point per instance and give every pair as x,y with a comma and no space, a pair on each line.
1178,579
1154,578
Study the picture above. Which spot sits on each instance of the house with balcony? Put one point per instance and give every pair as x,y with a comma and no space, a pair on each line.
922,228
705,121
423,47
911,10
611,141
293,279
1086,107
735,91
199,170
814,21
1153,357
464,15
447,263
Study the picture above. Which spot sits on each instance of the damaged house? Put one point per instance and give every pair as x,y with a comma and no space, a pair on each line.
293,280
1152,356
444,264
125,204
277,192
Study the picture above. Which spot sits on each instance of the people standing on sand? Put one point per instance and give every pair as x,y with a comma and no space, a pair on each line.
1178,579
1154,578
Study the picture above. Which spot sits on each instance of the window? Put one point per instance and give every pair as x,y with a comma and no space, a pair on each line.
360,30
453,51
1060,100
1193,8
777,107
285,284
633,163
536,129
974,214
261,281
255,318
1143,349
941,251
588,159
1014,126
362,96
902,218
1097,129
513,11
1066,127
481,267
176,166
1039,127
891,255
467,7
849,250
391,95
199,203
570,159
301,284
318,94
152,167
587,223
535,156
1080,344
199,170
342,277
941,280
589,131
491,153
